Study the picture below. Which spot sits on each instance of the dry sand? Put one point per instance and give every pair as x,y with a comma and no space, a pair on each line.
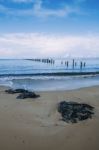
36,125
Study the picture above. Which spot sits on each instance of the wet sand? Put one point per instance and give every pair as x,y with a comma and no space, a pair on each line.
36,125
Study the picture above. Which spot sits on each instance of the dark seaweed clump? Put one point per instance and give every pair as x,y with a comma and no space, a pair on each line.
73,111
23,94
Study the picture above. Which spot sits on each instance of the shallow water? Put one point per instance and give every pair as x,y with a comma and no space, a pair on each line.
21,74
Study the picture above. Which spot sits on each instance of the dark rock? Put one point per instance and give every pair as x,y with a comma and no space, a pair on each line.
23,93
73,112
12,91
27,95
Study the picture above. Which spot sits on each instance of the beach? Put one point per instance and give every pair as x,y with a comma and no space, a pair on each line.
49,75
35,124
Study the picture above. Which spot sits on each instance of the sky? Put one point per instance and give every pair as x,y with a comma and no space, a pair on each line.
49,28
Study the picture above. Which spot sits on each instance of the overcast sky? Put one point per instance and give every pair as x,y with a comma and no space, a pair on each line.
49,28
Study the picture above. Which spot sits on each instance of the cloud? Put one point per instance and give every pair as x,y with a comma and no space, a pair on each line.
80,1
59,12
22,1
23,45
38,9
18,1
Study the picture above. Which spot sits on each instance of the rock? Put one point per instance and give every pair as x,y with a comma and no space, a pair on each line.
23,93
27,95
73,112
12,91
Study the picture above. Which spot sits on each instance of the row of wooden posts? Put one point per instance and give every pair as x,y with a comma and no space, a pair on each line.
49,61
66,63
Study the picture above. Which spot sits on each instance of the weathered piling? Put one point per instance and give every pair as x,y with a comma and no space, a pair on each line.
51,61
61,62
81,65
84,64
67,64
73,63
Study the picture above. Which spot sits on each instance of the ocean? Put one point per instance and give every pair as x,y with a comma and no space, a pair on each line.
44,75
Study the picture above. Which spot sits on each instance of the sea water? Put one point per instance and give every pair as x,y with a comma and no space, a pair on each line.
29,74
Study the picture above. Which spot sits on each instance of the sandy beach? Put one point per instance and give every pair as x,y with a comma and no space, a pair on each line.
35,124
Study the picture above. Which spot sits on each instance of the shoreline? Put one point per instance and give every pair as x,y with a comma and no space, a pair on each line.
4,87
35,123
52,83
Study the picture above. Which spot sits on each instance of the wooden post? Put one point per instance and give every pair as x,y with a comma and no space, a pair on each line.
84,64
67,64
81,65
73,63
